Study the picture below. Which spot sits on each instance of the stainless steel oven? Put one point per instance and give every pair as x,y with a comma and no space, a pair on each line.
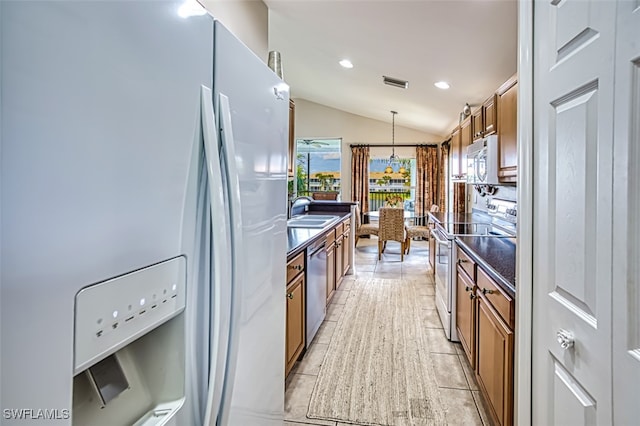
444,258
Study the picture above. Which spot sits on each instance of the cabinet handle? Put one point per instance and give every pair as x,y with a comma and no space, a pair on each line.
467,288
565,338
290,295
487,291
472,296
460,261
296,267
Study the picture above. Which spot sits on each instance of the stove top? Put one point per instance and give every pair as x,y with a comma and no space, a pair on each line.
474,229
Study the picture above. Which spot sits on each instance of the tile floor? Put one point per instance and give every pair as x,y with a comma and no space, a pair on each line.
456,382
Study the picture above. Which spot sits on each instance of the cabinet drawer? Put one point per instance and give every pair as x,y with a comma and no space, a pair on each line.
339,229
501,302
346,226
466,263
295,266
331,237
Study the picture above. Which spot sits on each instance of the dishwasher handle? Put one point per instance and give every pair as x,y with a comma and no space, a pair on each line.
316,247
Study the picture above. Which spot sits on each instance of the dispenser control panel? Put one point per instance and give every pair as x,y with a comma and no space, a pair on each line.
114,313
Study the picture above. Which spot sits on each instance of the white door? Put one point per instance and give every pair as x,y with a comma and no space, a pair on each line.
626,226
574,48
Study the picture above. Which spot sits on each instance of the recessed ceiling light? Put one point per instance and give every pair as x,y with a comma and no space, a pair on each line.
346,63
442,85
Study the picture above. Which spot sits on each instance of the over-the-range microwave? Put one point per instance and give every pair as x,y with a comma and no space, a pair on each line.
482,161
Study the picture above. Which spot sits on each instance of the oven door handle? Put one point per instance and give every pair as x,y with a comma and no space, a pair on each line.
435,236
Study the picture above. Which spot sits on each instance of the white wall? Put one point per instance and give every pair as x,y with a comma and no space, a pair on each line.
315,121
246,19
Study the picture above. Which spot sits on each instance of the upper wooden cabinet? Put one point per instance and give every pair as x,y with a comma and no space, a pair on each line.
292,138
490,116
456,153
465,135
507,109
477,124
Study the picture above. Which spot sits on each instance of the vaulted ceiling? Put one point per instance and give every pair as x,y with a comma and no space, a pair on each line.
471,44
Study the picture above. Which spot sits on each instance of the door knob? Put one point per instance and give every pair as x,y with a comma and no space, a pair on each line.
290,295
565,338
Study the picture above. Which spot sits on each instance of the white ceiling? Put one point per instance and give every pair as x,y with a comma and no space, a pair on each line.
471,44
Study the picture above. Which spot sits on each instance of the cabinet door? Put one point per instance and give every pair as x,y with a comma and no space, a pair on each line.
465,310
295,321
490,116
346,241
477,124
339,259
494,363
456,148
465,137
292,138
331,271
507,131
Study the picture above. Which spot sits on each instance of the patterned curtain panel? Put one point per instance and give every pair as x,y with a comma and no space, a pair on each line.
443,172
360,176
426,178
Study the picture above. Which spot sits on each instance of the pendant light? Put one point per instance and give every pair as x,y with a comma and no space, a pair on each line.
394,158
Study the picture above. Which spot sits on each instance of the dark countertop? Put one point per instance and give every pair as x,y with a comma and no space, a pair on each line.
496,256
299,238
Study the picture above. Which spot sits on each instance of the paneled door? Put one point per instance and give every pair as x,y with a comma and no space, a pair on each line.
574,43
626,223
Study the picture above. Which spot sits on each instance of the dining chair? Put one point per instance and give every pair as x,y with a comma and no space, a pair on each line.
391,228
417,231
363,228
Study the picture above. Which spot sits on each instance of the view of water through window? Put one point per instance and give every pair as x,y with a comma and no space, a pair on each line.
318,169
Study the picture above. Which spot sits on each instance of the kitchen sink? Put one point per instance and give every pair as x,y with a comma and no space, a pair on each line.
311,221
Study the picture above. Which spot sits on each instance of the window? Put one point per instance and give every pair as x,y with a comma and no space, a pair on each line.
318,165
385,185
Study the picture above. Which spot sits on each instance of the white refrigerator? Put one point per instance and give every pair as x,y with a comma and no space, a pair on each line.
143,219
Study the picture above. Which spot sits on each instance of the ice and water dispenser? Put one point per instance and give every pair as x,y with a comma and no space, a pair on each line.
129,353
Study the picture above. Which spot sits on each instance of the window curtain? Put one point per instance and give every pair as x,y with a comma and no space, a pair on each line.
360,176
426,178
443,172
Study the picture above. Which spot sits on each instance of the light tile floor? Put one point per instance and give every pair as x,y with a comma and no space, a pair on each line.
458,388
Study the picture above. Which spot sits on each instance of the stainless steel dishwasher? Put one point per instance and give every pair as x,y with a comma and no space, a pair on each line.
316,291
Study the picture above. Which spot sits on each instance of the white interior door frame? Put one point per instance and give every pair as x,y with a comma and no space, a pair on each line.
524,255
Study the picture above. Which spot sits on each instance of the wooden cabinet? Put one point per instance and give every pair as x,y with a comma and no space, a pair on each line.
465,137
490,116
339,256
465,314
291,170
295,317
456,154
485,322
331,264
494,369
507,109
477,124
346,246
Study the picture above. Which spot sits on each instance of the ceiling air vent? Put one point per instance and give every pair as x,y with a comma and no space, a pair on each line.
403,84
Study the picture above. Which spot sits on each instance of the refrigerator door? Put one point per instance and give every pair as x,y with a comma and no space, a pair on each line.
99,110
253,111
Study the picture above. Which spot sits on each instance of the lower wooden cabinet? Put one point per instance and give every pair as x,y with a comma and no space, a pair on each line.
346,247
485,322
494,371
339,257
465,314
295,322
331,270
